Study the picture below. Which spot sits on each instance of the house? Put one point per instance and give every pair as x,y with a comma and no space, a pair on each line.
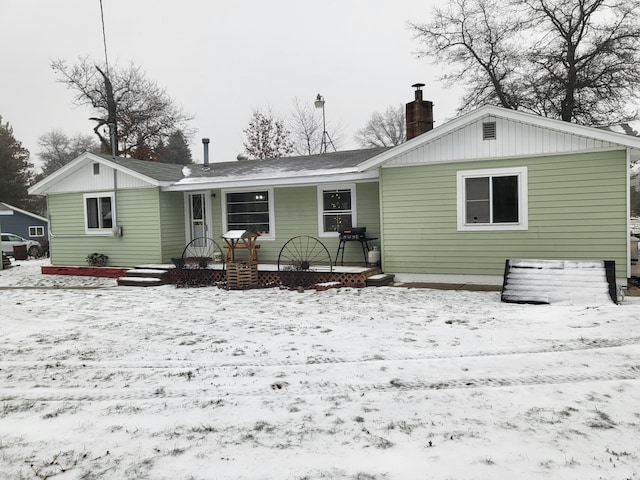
25,224
449,205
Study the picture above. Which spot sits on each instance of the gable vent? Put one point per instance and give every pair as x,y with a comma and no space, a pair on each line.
489,131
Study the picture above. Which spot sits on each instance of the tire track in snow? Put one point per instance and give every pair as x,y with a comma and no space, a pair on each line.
568,346
44,394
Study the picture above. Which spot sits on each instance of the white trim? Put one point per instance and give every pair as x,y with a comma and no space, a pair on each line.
335,186
523,199
272,220
264,182
86,158
100,231
208,211
24,212
36,227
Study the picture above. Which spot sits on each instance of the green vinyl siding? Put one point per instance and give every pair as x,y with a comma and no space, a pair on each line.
172,219
296,213
137,212
577,210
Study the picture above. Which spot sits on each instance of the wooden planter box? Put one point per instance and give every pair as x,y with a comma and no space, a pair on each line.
242,275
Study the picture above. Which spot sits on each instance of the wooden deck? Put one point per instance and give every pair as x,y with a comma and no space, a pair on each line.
269,276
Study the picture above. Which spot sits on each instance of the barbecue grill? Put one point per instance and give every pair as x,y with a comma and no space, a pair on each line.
353,234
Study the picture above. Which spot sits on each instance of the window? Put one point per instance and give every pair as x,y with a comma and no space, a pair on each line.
249,210
493,199
36,231
99,213
96,169
336,206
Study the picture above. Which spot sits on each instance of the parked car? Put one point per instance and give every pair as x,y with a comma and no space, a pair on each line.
9,240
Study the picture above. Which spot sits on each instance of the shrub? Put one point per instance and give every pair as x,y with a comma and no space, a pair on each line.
97,259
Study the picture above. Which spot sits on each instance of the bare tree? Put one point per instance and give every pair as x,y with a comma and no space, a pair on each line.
267,137
306,126
384,129
58,149
576,60
143,112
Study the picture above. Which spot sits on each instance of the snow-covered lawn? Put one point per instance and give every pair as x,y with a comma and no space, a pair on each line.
377,383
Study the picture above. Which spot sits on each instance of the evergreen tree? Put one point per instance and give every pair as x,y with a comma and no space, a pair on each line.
16,170
176,150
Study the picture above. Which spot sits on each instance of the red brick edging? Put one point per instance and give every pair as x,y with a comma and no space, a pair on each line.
106,272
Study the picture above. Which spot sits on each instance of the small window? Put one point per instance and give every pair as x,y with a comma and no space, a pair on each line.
99,210
96,169
489,131
249,210
36,231
336,205
493,199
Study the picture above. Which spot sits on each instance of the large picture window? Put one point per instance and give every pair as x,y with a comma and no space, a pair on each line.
99,211
493,199
336,208
250,210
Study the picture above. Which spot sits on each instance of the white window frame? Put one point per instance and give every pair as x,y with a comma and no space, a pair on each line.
272,225
36,229
99,231
337,186
523,199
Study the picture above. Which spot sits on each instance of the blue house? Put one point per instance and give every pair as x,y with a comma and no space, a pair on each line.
25,224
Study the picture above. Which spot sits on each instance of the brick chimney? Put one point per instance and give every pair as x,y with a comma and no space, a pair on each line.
419,114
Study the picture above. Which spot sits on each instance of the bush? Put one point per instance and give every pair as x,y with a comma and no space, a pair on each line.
97,259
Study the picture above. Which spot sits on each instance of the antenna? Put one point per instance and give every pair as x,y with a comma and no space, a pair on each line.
104,39
111,113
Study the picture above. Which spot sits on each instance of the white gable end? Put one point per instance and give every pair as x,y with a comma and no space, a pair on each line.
85,179
512,139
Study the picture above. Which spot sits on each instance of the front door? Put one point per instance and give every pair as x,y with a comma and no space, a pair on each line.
199,222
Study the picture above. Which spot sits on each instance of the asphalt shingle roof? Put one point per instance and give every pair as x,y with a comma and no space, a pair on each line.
292,166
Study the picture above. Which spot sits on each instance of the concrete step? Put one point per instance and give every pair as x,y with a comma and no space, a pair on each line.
380,280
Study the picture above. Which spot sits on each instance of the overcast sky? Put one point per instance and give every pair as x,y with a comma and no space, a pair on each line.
219,61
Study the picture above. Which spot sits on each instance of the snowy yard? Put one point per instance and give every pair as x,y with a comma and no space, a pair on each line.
378,383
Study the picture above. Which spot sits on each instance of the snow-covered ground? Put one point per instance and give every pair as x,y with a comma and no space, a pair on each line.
106,382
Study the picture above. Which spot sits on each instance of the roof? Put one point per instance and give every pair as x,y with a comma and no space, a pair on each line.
6,206
300,170
162,172
333,166
267,168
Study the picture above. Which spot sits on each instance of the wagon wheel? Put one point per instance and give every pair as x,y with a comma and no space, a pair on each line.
202,252
304,253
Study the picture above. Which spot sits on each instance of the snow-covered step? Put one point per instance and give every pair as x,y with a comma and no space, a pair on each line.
140,281
380,280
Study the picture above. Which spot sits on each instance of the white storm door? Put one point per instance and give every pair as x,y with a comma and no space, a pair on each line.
198,208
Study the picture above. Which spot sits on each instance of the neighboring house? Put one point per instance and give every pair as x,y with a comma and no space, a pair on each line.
22,223
449,205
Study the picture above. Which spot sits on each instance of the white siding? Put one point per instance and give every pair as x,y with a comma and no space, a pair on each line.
513,139
84,180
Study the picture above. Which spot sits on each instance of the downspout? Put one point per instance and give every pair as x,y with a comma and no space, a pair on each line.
628,169
117,231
